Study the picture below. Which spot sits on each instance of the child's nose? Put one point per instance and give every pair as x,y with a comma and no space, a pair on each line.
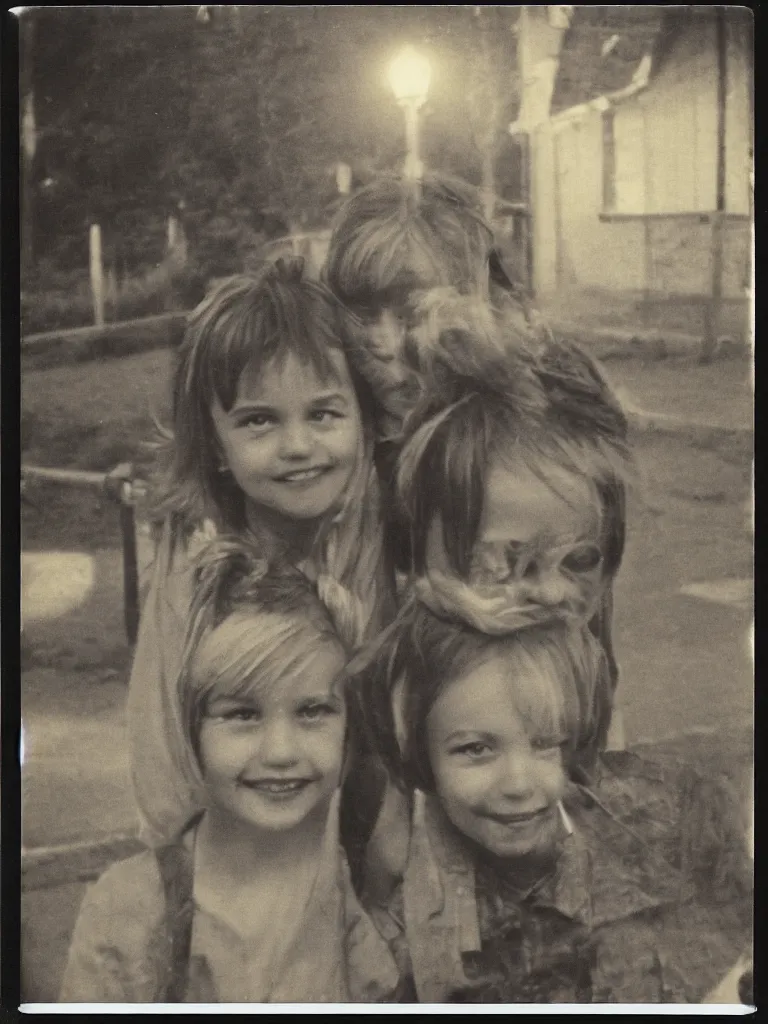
518,781
278,745
296,441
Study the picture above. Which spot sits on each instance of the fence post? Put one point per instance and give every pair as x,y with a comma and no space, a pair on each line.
343,179
173,233
177,240
97,275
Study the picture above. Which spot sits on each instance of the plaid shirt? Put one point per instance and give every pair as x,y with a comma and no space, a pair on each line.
614,922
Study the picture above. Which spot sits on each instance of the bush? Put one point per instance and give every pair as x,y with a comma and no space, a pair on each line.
67,303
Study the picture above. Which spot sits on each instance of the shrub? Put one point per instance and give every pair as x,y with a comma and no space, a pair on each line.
67,303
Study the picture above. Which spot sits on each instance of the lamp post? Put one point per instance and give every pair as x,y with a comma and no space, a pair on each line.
409,76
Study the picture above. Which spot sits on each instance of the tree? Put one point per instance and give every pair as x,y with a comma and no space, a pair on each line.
476,91
243,114
112,91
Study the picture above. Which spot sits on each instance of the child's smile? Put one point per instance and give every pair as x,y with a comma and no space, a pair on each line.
498,787
291,440
273,757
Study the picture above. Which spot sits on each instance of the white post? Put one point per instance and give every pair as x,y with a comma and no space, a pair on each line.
173,233
97,275
343,179
177,241
413,167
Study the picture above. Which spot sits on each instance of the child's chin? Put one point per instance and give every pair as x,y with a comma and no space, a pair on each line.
530,844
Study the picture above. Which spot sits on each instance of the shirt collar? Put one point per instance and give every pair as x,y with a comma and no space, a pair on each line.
445,863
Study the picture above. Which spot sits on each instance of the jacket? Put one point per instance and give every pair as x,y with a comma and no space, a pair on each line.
641,906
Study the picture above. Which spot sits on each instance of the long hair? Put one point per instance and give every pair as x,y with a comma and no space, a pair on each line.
394,248
421,654
251,321
387,242
495,391
250,624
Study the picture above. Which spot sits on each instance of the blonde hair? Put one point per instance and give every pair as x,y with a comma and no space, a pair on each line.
250,625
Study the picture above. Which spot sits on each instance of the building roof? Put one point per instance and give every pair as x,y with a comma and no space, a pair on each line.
601,51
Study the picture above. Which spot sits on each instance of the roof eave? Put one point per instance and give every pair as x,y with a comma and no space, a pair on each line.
640,80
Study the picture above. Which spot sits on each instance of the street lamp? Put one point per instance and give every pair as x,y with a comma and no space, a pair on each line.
409,76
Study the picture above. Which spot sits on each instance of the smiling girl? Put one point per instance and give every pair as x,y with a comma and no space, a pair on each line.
521,886
252,902
271,440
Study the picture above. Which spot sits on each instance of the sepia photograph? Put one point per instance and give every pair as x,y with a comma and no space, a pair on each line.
379,366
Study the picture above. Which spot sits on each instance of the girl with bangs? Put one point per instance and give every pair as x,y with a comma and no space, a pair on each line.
252,902
272,431
521,885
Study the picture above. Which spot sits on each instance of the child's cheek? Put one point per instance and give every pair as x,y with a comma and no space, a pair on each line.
326,749
470,785
552,778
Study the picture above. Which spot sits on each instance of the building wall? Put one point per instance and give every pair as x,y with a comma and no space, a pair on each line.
666,141
572,246
679,117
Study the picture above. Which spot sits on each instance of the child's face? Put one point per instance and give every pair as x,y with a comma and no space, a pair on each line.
273,759
290,440
386,337
498,787
542,536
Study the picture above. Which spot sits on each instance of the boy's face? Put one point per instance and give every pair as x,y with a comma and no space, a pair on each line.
290,439
273,759
542,536
498,787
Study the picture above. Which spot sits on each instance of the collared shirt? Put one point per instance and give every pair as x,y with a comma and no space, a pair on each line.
614,922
